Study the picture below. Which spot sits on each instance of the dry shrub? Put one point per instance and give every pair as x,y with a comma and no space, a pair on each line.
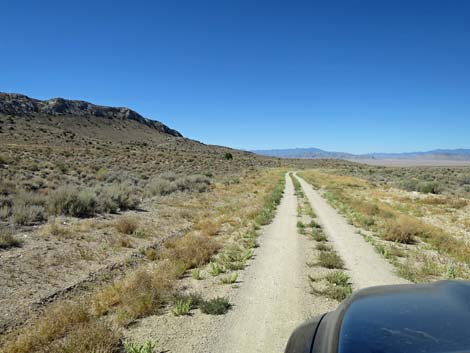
404,229
208,227
125,242
107,298
368,208
56,229
466,223
56,321
435,200
191,250
126,225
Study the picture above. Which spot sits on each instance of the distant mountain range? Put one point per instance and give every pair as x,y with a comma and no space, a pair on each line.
312,153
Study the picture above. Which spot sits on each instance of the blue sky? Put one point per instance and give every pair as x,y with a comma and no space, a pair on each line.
356,76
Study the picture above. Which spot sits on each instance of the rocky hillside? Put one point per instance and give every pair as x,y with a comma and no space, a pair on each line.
46,144
21,105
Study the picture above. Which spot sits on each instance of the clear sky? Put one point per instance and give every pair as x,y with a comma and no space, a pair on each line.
356,76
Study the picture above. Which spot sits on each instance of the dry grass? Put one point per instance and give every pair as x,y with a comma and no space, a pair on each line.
394,217
141,293
150,288
94,337
55,323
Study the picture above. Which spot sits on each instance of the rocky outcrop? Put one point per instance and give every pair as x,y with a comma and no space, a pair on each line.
21,105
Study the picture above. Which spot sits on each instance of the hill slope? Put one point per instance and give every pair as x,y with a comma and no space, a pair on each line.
81,118
59,141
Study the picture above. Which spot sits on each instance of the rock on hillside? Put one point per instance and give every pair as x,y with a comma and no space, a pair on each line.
21,105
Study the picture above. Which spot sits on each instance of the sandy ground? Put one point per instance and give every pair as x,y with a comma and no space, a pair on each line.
367,268
414,162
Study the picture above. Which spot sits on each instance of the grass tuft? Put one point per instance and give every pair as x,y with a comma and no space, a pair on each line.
132,347
230,279
182,307
330,259
216,306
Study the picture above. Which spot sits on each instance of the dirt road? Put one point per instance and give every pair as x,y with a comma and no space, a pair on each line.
274,297
365,266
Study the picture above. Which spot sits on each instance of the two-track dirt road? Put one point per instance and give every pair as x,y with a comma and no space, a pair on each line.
275,296
365,266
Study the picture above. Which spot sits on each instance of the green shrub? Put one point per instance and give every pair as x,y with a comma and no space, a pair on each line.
330,259
324,247
168,183
27,214
217,306
161,187
5,212
85,205
270,204
168,175
318,235
409,185
8,240
28,209
72,202
197,183
120,196
338,278
430,188
338,293
7,187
